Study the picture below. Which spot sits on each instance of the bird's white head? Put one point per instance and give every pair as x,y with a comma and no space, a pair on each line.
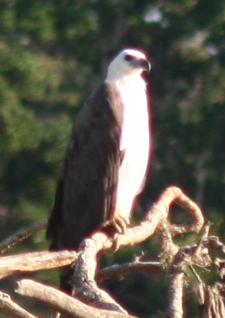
128,63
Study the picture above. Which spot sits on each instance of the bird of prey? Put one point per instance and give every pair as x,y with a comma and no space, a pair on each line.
107,156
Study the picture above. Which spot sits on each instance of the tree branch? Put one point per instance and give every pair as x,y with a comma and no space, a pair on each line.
176,285
84,283
21,235
84,273
29,262
129,268
62,302
11,309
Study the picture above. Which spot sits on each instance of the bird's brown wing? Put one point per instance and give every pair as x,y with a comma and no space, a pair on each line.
86,192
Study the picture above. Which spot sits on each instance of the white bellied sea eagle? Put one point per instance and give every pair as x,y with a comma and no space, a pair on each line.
106,159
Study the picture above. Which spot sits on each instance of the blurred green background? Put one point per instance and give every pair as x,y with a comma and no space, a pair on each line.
53,54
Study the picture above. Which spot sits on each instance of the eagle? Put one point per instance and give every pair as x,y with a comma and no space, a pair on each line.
106,159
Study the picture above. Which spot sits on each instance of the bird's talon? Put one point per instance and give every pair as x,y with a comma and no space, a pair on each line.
120,224
115,245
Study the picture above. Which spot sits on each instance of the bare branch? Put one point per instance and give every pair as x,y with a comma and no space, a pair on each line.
129,268
29,262
62,302
21,235
11,309
84,274
191,207
212,300
84,279
176,285
84,283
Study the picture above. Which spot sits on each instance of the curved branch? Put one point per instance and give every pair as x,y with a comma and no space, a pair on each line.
84,273
85,269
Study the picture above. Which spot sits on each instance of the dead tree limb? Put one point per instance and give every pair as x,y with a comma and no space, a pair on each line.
176,287
62,302
21,235
129,268
30,262
84,283
211,300
44,260
11,309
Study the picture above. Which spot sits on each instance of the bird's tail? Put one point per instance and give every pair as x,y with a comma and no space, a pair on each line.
66,275
55,219
65,286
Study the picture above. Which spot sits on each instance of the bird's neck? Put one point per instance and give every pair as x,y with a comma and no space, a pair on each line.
134,80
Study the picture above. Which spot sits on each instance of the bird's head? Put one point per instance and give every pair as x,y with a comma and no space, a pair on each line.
128,62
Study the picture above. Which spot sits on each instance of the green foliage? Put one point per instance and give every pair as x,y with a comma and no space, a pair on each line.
53,53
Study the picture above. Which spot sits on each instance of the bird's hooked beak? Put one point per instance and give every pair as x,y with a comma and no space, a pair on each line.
144,64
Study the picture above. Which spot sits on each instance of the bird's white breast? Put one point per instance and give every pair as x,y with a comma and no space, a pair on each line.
135,130
134,142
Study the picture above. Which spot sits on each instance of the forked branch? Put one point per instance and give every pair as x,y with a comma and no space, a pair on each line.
84,280
84,283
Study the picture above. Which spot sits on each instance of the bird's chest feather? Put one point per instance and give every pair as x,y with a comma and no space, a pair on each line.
135,132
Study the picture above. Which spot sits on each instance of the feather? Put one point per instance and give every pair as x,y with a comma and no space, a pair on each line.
86,192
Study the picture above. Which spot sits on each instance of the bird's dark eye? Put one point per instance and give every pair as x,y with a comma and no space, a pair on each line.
128,57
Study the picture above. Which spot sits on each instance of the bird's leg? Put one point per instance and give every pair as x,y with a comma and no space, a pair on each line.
120,224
